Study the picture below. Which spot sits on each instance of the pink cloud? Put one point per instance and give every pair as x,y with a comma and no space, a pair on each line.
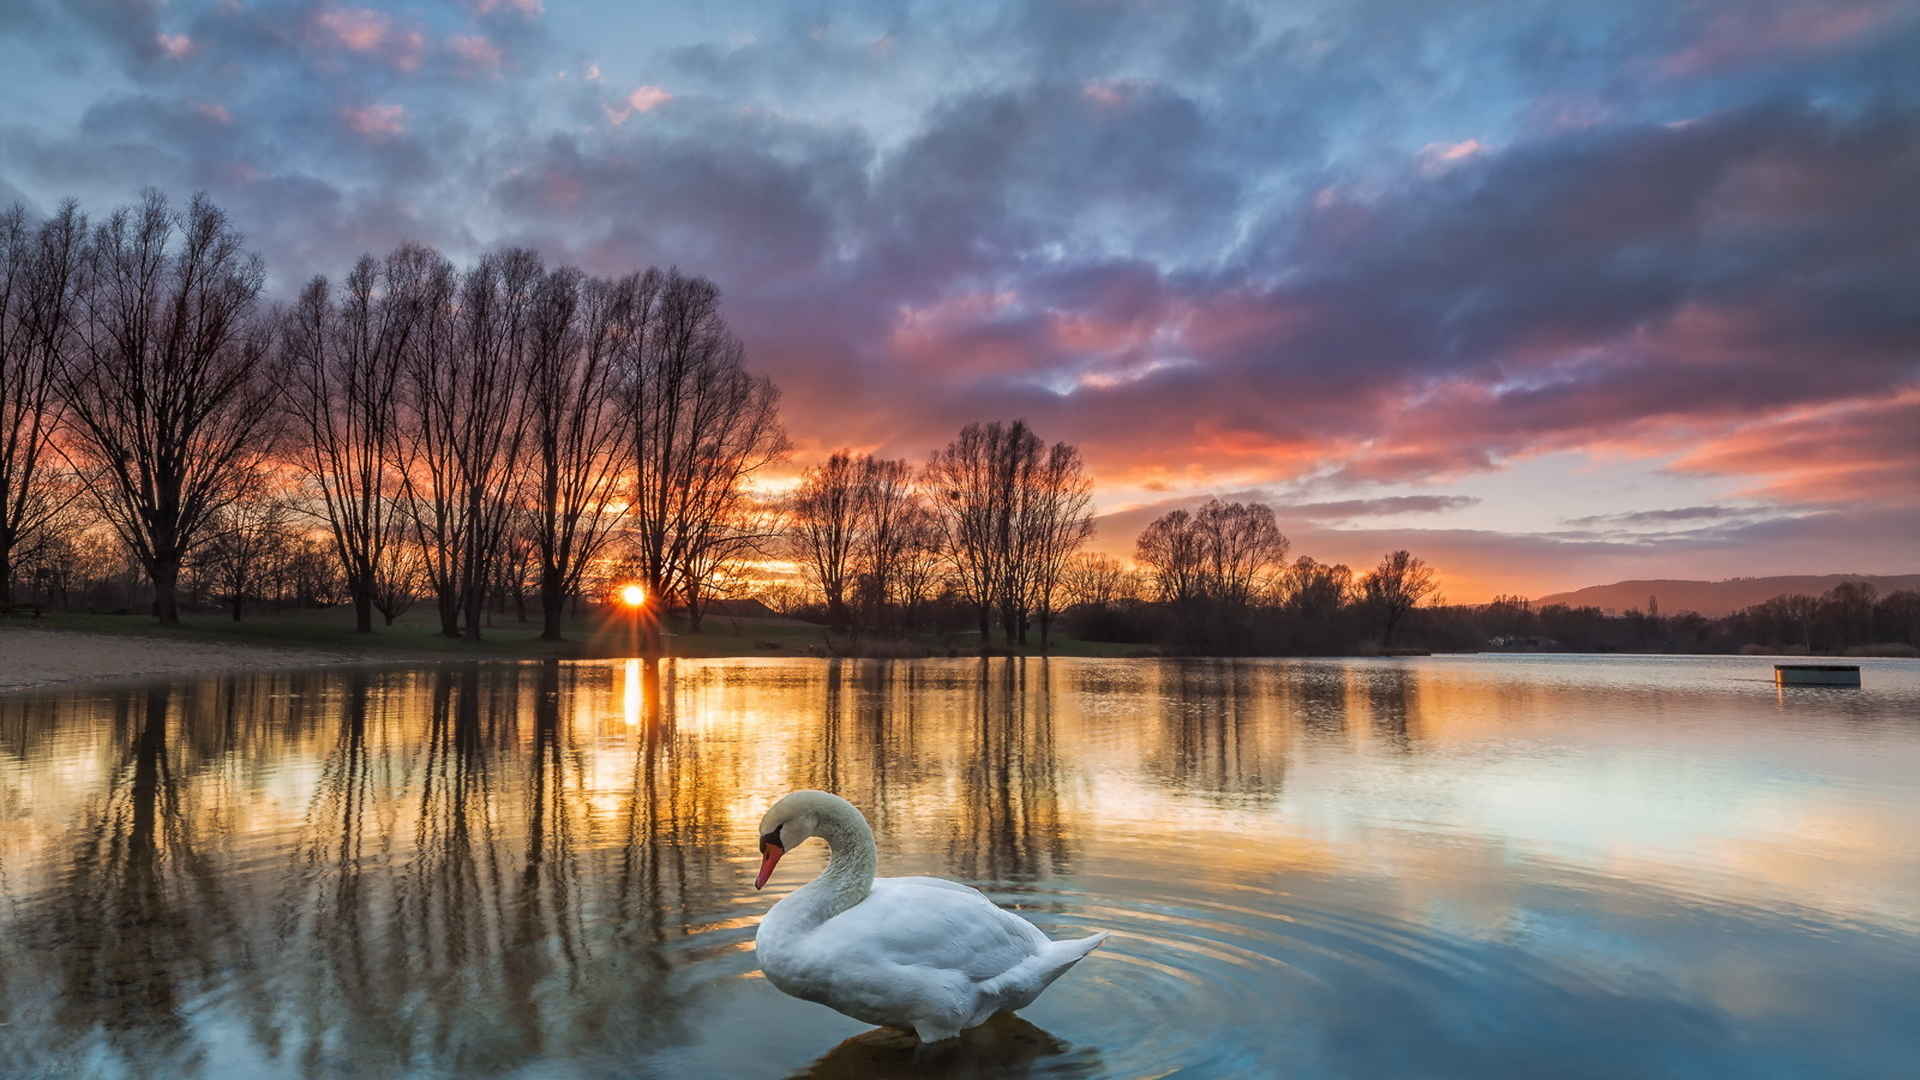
524,7
175,46
219,114
1436,158
376,121
644,99
1109,93
356,29
1748,33
1853,451
478,52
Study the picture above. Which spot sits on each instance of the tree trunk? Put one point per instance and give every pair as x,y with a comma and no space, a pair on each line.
476,609
166,602
6,574
553,605
238,599
449,613
363,607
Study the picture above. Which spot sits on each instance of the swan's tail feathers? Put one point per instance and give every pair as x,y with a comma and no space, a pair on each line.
1061,955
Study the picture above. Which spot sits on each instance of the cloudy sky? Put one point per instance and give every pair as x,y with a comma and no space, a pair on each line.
1553,294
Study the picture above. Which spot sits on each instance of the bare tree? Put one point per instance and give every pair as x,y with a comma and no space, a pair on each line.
920,572
702,428
1057,520
1315,590
975,484
887,512
170,392
1225,554
241,543
40,274
1094,579
826,533
1173,551
467,381
1243,550
399,576
1395,587
582,330
345,361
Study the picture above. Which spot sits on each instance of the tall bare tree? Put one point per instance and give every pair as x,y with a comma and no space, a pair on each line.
888,505
466,384
702,428
974,485
1057,520
345,360
920,571
583,330
40,274
170,392
827,529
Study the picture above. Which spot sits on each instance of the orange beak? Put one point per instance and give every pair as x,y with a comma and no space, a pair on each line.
769,858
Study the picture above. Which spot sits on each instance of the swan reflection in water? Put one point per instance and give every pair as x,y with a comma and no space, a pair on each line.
1005,1046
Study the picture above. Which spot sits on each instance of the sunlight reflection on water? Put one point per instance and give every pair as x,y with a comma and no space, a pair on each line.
1449,866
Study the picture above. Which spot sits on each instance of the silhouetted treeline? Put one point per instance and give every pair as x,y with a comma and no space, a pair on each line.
469,436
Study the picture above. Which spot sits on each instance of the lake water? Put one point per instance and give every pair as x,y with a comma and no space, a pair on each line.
1451,866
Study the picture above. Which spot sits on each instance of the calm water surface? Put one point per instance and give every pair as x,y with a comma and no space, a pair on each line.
1456,866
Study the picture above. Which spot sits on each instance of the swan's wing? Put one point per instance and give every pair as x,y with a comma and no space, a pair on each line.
930,923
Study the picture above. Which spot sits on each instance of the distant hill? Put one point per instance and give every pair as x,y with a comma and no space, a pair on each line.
1716,598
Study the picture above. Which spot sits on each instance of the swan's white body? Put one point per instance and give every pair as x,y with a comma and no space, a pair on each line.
933,956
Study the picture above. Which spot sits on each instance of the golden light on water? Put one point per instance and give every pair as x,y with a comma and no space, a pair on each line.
633,595
632,693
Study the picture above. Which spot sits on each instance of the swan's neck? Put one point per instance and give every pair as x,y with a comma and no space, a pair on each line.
851,859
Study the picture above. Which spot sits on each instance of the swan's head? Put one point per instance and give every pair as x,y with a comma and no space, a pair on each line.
789,822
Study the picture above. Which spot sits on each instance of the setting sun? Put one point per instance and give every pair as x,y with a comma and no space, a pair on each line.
633,595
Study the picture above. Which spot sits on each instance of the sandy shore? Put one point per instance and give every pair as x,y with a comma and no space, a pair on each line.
32,658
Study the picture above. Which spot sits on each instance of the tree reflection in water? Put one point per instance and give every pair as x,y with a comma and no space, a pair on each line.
475,868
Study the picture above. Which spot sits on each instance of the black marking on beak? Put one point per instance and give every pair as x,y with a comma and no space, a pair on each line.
772,838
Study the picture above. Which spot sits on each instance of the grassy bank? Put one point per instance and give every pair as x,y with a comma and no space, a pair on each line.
416,635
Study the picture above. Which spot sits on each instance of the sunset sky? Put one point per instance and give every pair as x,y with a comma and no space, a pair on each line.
1552,294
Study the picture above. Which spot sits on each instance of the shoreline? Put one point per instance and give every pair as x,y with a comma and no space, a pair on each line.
33,658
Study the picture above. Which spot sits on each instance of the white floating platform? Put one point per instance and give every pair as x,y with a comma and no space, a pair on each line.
1816,674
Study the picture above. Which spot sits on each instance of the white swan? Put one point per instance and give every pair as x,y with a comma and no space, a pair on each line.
932,956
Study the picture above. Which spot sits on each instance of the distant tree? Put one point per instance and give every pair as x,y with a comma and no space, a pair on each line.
1897,617
826,532
171,391
1315,590
888,508
41,271
1094,579
970,486
1173,554
920,573
242,543
1847,612
1057,518
399,576
1241,549
1395,587
782,599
